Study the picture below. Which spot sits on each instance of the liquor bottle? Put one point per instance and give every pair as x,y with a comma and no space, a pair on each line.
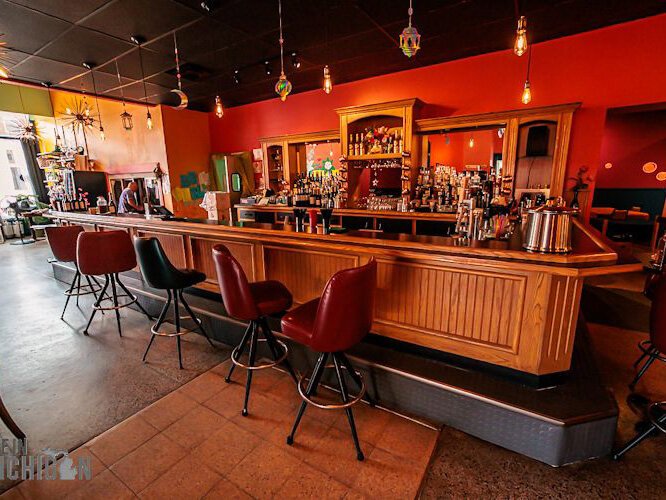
351,144
111,204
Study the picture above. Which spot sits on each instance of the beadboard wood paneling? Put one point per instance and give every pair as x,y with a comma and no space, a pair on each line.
173,245
202,257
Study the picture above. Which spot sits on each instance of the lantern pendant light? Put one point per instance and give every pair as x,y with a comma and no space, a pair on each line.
138,40
520,45
526,97
125,117
90,66
410,40
219,110
328,84
283,86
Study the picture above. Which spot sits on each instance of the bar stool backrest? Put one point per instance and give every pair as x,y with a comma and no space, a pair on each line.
155,266
346,309
234,287
62,240
105,252
658,316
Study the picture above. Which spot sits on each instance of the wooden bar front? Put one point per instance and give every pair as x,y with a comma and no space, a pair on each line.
492,303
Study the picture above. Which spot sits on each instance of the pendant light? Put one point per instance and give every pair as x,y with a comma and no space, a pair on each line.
125,117
283,86
328,84
182,104
138,40
90,66
520,45
526,98
410,40
219,110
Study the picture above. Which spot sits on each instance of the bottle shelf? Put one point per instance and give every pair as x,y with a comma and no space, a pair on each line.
375,156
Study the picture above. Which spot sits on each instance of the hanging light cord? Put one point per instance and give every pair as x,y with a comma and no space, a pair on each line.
143,77
410,11
281,38
529,62
99,113
120,84
175,50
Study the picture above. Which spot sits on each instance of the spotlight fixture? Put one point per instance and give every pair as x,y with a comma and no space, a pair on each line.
328,84
138,40
520,45
295,61
90,66
410,40
237,78
267,68
209,5
283,86
219,110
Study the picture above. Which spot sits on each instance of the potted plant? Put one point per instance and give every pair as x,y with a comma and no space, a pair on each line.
581,181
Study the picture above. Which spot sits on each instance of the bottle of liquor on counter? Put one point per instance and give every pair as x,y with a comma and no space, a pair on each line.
351,144
111,204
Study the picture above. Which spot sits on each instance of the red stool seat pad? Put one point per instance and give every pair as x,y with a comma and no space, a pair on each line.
271,297
298,324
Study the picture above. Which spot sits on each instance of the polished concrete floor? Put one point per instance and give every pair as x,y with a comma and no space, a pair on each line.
64,388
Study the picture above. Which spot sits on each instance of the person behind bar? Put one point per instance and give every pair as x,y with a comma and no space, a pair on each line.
127,201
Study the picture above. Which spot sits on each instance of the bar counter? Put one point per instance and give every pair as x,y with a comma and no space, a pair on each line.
490,301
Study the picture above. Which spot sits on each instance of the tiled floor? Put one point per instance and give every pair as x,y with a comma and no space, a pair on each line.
193,443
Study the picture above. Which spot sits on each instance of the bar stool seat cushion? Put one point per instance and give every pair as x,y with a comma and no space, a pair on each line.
105,252
157,269
298,324
270,297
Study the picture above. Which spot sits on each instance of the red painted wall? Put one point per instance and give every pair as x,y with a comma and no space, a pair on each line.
620,65
630,140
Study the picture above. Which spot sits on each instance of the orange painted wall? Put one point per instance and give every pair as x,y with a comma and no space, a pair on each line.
123,151
187,138
619,65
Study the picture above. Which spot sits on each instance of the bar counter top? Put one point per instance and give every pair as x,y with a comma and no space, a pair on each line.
589,250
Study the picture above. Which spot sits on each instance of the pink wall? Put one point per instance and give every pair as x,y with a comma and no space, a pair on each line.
630,140
620,65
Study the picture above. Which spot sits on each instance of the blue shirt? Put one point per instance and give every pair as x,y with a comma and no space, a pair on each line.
123,202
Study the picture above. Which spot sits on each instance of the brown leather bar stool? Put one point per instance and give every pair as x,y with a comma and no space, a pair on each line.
655,347
108,253
159,273
331,325
62,240
252,302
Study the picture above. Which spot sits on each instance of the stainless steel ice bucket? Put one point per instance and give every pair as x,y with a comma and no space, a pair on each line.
549,229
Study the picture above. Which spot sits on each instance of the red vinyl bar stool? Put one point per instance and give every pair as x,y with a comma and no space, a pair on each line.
655,347
331,325
252,302
62,240
108,253
159,273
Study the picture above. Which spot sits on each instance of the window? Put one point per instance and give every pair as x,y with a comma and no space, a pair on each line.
10,156
17,177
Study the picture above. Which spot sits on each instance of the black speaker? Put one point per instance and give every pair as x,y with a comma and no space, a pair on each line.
537,141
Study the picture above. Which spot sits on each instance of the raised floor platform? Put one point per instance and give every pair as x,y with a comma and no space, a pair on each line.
569,422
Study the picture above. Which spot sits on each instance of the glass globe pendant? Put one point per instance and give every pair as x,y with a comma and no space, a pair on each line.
283,87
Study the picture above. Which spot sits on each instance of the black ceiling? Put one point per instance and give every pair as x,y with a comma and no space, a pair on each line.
49,39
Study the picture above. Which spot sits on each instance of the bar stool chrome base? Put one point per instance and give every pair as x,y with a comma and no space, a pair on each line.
173,296
251,337
650,352
656,420
340,363
114,281
76,289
